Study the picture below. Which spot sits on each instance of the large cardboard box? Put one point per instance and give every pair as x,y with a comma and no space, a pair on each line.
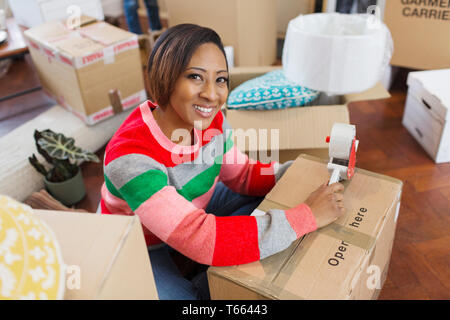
106,256
347,259
249,26
31,13
421,33
80,67
300,129
426,114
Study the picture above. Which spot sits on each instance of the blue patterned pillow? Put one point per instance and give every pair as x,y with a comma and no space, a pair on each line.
270,91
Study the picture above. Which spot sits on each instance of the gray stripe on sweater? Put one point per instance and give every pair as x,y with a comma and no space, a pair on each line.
127,167
185,172
281,169
274,233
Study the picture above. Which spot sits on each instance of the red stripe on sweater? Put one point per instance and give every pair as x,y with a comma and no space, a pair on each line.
236,241
135,137
261,184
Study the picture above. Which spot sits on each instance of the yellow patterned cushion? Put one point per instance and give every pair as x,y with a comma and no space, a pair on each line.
31,265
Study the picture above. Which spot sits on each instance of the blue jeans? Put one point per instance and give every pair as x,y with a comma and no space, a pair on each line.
131,16
171,285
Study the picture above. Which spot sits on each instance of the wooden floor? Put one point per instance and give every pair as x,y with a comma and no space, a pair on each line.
420,263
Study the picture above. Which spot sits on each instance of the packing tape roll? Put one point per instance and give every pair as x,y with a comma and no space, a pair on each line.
342,136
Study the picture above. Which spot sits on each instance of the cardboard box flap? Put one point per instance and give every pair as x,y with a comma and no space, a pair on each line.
124,263
95,244
281,127
105,33
308,269
48,32
78,46
85,20
239,75
431,88
376,92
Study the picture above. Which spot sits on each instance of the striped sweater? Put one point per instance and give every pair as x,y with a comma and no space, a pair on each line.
168,186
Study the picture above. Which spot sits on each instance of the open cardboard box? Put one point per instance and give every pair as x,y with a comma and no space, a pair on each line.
106,253
301,129
347,259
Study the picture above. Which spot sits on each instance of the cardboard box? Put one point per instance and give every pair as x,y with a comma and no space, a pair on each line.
301,130
426,114
31,13
78,68
288,10
421,33
108,254
347,259
249,26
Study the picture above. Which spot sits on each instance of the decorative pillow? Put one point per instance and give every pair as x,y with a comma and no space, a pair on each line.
31,265
270,91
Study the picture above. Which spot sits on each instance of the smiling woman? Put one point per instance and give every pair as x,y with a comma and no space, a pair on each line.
198,93
173,163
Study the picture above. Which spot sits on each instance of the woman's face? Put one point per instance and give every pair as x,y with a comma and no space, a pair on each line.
201,89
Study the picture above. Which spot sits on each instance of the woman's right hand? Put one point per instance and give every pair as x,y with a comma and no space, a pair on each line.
326,203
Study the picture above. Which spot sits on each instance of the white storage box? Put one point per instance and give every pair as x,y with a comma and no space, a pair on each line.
31,13
426,112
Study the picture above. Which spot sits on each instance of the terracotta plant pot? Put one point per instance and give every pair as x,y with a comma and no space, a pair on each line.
68,192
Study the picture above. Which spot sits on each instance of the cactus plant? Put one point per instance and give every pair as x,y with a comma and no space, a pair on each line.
61,153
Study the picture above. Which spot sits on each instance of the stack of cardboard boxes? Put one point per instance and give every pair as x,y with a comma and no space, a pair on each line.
248,26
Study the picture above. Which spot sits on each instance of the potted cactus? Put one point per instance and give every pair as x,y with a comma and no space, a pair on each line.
63,179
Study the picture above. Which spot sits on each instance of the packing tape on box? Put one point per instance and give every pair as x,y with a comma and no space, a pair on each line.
335,230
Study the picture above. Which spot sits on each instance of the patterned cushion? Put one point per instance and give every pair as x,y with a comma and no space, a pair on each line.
270,91
31,265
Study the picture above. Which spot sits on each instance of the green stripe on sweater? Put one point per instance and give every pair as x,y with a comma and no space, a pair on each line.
204,181
201,183
111,188
229,143
142,187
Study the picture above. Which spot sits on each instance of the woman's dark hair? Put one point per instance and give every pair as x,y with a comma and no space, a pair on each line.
170,56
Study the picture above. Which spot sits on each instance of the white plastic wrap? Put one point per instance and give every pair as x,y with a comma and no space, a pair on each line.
336,53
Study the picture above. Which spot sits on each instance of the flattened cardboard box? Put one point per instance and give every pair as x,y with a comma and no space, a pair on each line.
78,68
347,259
110,252
300,129
421,32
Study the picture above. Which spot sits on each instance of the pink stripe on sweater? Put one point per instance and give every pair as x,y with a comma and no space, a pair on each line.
301,219
235,170
165,142
202,201
164,211
195,236
114,204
